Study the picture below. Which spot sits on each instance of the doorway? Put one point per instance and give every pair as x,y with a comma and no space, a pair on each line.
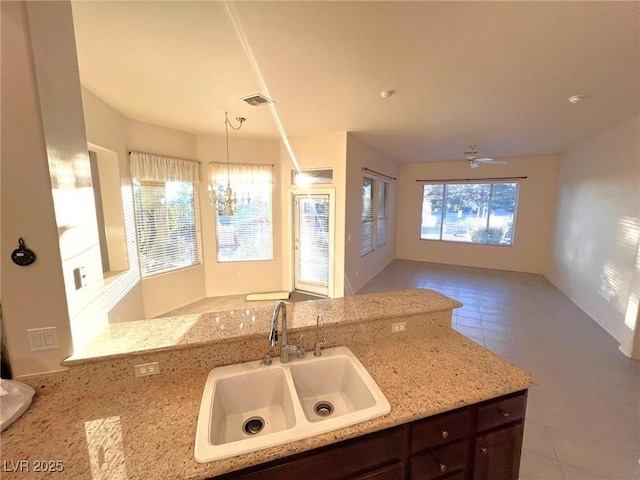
312,243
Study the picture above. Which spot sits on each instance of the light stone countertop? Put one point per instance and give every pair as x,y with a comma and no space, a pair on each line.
146,430
119,340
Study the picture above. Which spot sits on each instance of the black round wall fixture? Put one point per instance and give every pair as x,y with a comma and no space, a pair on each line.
22,255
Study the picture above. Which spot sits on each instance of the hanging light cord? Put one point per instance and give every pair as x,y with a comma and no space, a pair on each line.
227,124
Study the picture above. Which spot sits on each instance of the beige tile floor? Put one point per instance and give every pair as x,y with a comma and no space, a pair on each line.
583,418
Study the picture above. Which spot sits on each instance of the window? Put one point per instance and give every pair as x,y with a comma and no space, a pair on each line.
166,212
247,235
166,226
469,212
311,177
375,212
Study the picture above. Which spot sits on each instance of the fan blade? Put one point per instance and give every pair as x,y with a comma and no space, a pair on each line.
491,160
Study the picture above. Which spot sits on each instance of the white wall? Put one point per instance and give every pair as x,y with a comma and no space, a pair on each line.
534,221
595,259
231,278
34,296
107,130
359,270
315,152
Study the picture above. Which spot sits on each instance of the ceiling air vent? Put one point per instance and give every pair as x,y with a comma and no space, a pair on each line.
257,100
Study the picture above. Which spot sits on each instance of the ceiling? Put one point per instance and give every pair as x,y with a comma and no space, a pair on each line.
496,74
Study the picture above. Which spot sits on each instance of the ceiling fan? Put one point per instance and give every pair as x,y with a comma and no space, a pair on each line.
474,162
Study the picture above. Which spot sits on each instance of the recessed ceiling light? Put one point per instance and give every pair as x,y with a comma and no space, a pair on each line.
387,93
575,98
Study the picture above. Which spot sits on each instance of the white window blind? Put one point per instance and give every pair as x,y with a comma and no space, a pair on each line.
248,234
166,225
366,245
166,212
312,239
382,214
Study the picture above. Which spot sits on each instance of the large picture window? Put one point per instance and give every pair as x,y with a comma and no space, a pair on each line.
482,213
166,212
247,235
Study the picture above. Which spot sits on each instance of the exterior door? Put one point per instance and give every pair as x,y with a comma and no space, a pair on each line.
312,243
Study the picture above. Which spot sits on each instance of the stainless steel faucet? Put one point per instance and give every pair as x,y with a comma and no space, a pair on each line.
285,349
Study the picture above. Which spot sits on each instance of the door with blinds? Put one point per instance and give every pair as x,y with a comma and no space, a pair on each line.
312,243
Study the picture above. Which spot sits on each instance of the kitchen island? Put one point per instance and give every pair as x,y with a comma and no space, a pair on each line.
96,422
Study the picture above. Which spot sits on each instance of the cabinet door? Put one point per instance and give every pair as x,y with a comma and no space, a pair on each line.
497,454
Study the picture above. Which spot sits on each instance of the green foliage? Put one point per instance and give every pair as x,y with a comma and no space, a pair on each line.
491,235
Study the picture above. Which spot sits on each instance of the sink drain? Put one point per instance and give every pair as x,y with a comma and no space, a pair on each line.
253,425
323,409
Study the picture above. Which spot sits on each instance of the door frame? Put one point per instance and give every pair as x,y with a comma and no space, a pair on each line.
332,229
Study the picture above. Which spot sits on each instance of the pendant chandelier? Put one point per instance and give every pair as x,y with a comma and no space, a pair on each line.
225,200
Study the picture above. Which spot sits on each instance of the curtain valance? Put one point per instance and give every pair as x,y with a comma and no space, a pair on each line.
240,173
156,168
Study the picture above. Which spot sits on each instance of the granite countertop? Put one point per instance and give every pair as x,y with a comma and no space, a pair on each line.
148,432
120,340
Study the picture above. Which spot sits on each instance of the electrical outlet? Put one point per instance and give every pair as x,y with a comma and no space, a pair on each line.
146,369
398,327
43,338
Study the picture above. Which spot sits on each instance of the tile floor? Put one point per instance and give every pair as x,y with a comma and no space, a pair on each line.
583,418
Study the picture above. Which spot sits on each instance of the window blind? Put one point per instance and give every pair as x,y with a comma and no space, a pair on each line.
248,234
313,237
167,225
382,214
366,244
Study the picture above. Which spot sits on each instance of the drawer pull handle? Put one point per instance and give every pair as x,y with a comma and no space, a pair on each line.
445,434
443,468
506,414
485,451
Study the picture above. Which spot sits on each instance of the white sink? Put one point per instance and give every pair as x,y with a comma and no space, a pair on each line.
251,406
331,387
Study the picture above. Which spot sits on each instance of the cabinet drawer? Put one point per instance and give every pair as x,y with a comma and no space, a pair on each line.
428,466
347,459
390,472
501,412
438,431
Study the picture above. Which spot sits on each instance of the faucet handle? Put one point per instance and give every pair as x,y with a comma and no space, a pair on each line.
318,348
300,352
267,359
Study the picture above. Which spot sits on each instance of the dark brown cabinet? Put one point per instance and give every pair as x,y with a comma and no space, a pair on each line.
497,454
478,442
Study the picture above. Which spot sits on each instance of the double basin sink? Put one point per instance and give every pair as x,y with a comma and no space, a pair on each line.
251,406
